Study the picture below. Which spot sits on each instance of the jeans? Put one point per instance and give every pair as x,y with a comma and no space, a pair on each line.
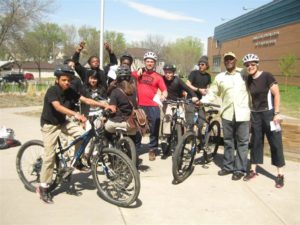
235,132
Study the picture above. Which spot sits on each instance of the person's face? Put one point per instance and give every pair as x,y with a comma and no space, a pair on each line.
229,63
149,64
202,67
93,81
126,62
251,67
169,74
94,63
64,82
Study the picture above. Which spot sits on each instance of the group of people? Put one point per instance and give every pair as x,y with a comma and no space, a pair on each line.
240,92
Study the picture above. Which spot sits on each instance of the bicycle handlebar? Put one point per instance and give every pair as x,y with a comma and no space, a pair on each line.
178,101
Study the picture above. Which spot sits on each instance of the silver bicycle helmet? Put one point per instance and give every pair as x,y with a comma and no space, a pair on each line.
250,58
150,55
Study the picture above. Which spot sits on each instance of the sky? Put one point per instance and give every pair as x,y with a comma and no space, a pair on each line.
170,19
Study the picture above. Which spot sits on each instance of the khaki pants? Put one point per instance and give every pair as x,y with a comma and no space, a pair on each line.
50,134
111,126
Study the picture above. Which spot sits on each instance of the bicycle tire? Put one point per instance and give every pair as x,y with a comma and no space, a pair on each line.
183,158
174,138
116,177
31,153
212,142
127,146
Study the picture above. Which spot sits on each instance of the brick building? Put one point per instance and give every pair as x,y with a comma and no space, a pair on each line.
270,31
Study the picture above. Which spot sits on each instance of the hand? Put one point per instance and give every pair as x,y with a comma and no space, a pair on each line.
277,119
140,71
112,108
162,98
81,46
203,91
107,47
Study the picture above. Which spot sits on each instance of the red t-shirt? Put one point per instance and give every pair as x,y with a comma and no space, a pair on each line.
147,85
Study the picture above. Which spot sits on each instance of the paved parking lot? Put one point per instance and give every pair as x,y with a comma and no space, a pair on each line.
204,198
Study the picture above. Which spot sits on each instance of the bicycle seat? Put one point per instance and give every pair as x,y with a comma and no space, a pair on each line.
212,111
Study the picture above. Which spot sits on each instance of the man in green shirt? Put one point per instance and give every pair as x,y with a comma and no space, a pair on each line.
235,113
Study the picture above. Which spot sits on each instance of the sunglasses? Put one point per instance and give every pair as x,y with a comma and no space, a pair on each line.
250,64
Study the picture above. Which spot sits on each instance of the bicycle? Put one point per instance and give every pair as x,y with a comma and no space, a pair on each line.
115,176
177,124
206,140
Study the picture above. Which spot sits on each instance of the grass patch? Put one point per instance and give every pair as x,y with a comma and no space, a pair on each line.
290,101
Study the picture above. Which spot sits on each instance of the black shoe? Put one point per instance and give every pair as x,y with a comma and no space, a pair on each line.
250,175
279,181
223,172
44,195
237,175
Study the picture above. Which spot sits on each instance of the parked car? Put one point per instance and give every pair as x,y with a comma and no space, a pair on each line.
14,77
28,76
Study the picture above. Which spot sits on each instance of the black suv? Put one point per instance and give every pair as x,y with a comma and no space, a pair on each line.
14,77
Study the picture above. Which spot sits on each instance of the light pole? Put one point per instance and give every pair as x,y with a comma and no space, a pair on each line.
101,32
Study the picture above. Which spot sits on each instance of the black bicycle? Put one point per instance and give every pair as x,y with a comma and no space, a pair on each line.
114,174
177,124
206,140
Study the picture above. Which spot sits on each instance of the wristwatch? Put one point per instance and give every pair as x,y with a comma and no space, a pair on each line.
276,113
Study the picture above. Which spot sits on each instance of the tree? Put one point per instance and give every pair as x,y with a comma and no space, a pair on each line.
287,65
116,41
17,15
91,37
184,53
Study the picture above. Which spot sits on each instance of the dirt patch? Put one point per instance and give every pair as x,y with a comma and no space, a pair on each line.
20,100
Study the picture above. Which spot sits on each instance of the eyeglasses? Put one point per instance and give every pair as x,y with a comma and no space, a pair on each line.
250,64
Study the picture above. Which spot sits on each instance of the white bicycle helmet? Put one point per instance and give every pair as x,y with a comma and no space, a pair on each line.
250,58
150,55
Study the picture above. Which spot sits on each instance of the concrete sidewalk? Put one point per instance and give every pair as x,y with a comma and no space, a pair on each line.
204,198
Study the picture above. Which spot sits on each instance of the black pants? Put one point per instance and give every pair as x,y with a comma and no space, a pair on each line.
260,126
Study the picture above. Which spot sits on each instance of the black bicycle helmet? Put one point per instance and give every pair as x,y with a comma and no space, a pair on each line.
123,73
126,56
170,67
64,70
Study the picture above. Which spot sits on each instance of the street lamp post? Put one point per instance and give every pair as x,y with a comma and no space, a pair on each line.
101,33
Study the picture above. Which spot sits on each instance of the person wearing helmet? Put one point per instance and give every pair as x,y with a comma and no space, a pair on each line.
265,96
235,115
175,88
122,101
53,122
94,64
148,82
198,80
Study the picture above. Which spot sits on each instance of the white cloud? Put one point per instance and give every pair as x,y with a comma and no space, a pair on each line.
163,14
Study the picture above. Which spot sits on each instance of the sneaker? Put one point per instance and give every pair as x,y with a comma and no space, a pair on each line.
237,175
44,194
279,181
223,172
152,155
250,175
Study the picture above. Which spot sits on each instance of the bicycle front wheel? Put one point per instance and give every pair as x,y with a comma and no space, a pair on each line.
183,158
116,177
212,140
29,164
127,146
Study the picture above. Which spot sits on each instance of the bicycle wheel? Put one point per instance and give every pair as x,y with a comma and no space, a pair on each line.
183,158
116,177
29,164
175,137
212,140
127,146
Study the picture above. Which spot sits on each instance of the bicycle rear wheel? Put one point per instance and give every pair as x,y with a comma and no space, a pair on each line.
116,178
212,141
183,158
127,146
29,164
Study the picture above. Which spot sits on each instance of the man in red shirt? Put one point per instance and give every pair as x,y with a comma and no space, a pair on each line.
148,82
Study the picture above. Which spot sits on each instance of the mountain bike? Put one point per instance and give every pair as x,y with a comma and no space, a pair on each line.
114,174
204,140
177,124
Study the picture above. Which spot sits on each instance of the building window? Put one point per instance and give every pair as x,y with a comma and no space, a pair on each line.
216,68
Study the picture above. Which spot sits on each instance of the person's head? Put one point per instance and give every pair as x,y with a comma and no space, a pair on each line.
64,74
251,62
93,79
70,63
94,62
229,61
169,71
150,59
203,63
123,79
126,59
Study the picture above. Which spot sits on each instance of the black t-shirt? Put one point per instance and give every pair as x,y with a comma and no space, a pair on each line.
55,93
175,88
124,107
199,80
262,98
